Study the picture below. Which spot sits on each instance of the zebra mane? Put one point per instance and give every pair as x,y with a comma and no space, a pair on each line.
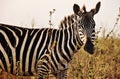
67,21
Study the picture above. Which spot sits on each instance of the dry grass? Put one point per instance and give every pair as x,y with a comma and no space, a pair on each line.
104,64
5,75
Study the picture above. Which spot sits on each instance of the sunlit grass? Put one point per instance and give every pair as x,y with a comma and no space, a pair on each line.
103,64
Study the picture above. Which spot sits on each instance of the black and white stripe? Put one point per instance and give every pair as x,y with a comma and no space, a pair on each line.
86,24
30,46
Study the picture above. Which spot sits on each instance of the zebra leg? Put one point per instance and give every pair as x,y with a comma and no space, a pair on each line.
62,74
43,73
43,68
39,77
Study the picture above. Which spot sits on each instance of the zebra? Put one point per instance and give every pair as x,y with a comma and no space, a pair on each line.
87,25
28,51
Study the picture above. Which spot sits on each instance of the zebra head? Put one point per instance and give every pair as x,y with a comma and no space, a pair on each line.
86,25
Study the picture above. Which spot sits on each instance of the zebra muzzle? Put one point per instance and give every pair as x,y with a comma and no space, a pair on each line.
89,46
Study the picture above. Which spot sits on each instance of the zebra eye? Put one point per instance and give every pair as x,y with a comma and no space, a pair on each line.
93,25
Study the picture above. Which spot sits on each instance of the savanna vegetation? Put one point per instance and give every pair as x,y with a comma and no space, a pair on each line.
103,64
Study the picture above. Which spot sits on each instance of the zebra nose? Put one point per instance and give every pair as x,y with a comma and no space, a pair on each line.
89,46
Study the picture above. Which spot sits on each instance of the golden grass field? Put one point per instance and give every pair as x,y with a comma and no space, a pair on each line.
103,64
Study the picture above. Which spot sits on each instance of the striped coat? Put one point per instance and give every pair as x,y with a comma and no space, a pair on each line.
29,46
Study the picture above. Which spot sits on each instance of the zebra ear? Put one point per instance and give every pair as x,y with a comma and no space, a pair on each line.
96,9
76,9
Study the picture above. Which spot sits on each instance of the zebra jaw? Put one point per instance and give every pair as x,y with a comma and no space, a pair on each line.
89,46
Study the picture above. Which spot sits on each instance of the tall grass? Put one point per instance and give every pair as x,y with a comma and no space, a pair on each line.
103,64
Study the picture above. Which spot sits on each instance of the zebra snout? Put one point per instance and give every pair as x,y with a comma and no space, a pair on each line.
89,46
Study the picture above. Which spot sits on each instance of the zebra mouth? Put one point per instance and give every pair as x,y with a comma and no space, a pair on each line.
89,46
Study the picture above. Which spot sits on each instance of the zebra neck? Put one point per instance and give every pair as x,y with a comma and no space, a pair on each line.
75,42
71,21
